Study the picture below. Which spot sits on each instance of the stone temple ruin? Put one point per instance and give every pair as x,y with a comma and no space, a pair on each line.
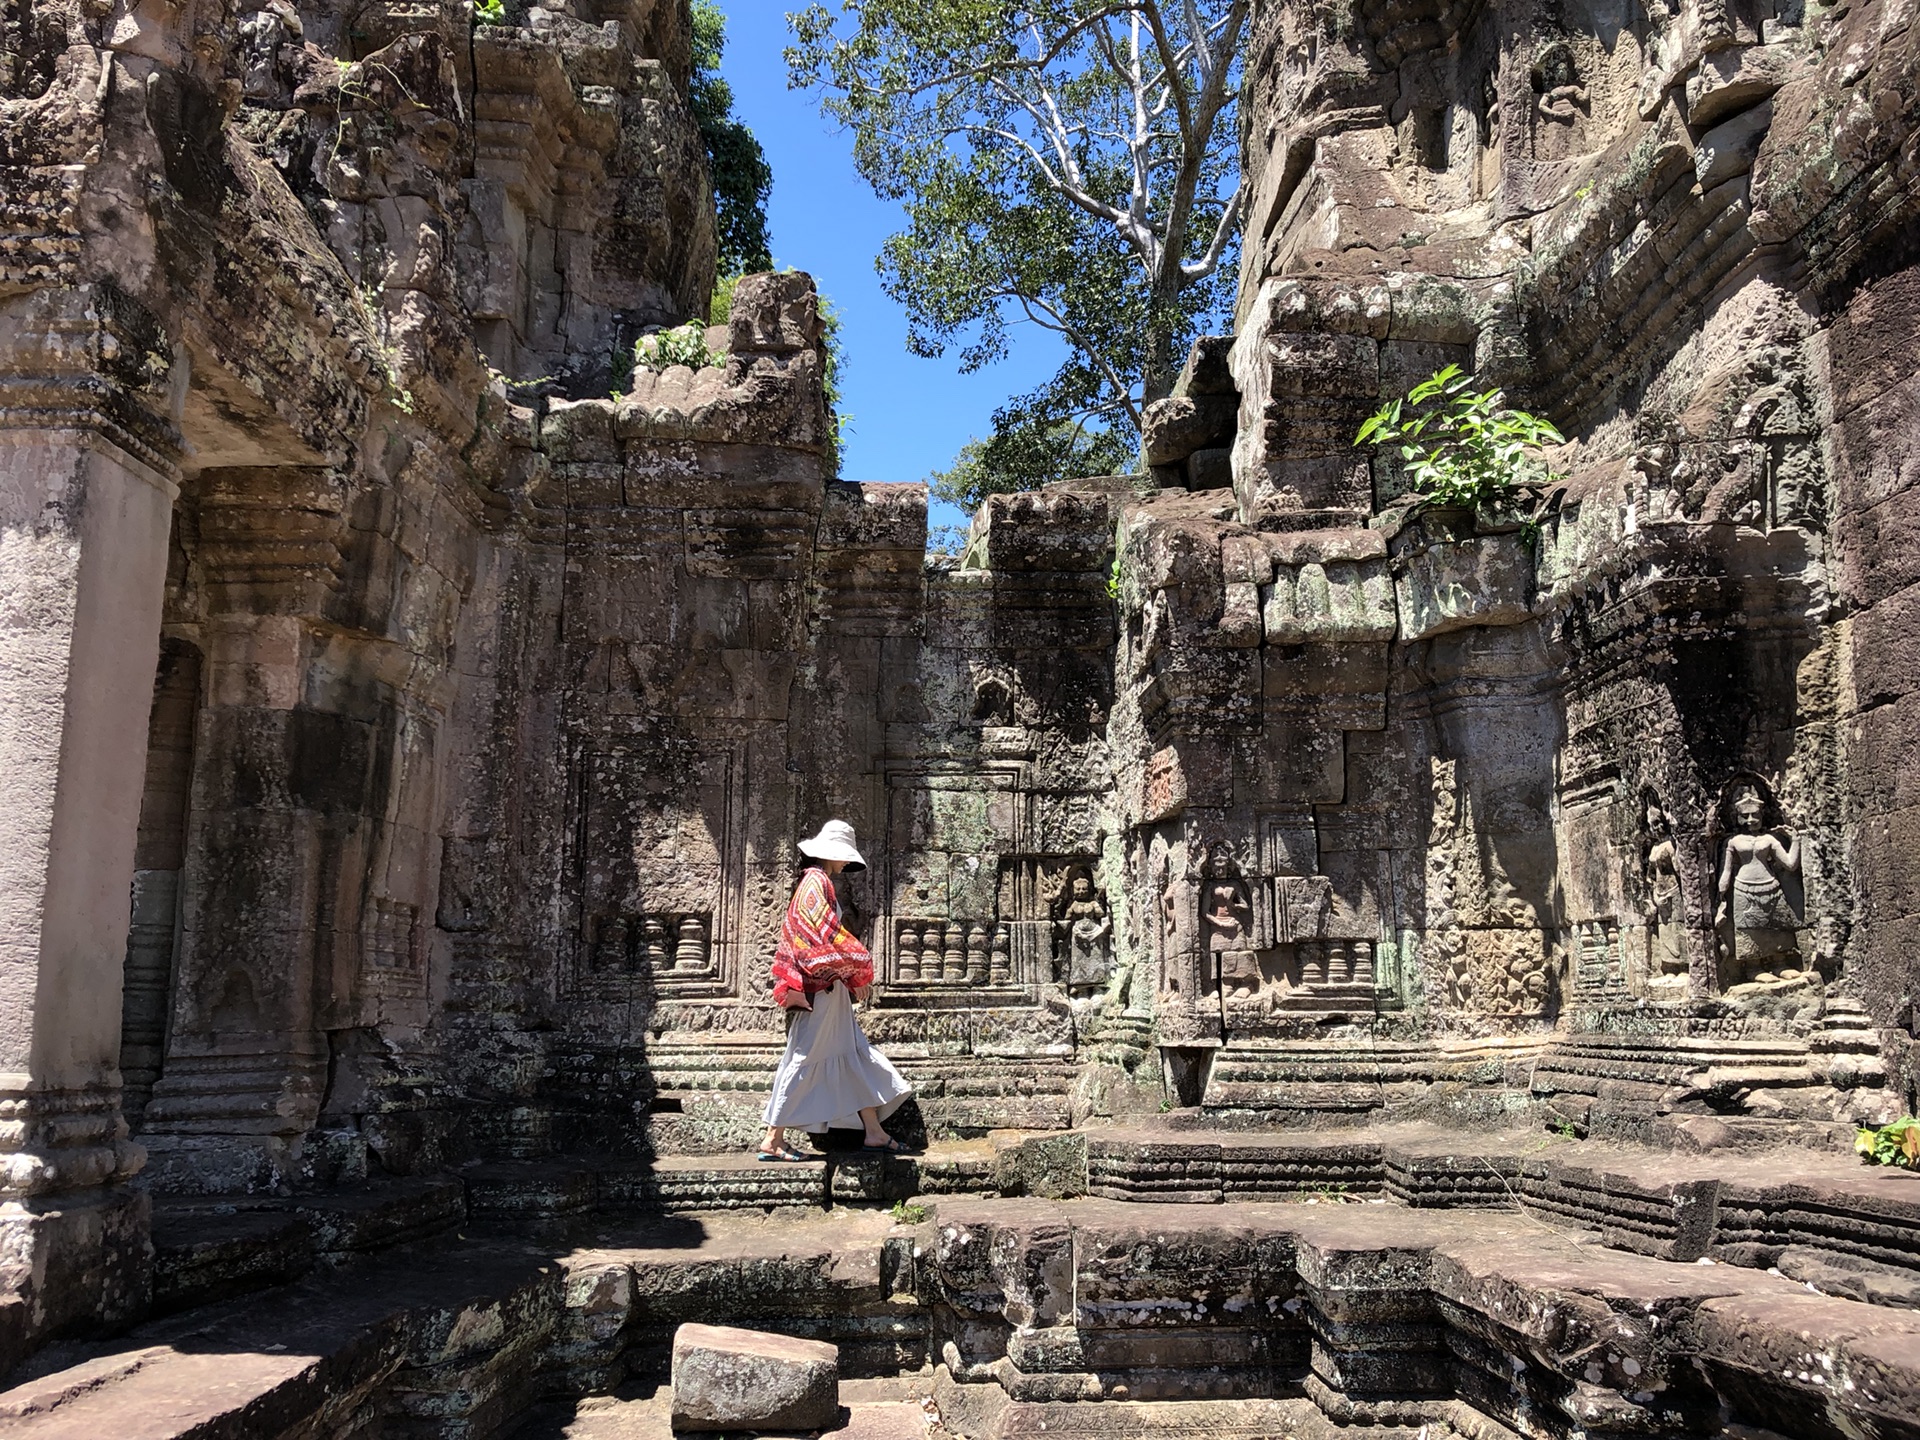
1362,967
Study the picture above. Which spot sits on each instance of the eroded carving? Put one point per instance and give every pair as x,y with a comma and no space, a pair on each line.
1759,890
1083,932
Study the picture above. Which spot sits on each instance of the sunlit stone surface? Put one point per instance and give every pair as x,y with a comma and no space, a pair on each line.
1359,965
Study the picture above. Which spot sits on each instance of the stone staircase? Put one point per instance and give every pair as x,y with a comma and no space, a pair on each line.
1852,1229
468,1304
1334,1312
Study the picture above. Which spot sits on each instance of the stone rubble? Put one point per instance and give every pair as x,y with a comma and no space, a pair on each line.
725,1378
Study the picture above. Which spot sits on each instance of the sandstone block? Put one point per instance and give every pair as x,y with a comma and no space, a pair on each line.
1209,368
1210,469
731,1379
1728,149
774,314
1174,428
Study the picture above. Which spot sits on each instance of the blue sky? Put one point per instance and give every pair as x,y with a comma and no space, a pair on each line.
910,416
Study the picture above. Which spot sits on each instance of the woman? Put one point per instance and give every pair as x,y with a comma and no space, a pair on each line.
830,1076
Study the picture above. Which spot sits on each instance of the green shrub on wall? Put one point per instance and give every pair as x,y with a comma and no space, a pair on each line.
682,345
1461,447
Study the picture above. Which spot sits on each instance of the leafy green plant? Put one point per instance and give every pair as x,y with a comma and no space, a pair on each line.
833,364
1461,446
720,302
1895,1144
683,345
490,12
742,179
906,1213
1113,578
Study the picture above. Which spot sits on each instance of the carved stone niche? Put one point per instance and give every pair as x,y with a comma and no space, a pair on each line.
1309,966
1599,962
659,879
947,964
1082,925
1761,904
1663,895
390,948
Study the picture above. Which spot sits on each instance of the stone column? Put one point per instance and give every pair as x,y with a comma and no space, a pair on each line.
86,498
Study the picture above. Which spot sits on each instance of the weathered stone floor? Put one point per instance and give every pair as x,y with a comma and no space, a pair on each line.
1488,1278
892,1409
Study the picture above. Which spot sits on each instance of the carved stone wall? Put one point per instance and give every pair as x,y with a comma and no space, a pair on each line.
488,682
1518,755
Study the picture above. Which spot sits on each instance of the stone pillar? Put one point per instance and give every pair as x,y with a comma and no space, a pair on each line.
275,884
86,500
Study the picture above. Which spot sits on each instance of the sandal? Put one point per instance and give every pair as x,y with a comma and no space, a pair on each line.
774,1157
892,1147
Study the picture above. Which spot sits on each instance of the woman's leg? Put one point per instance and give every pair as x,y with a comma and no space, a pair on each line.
775,1141
870,1117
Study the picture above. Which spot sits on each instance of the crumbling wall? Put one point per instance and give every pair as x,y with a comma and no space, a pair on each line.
1634,224
487,681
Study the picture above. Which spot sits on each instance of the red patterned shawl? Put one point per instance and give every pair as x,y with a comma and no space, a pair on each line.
815,948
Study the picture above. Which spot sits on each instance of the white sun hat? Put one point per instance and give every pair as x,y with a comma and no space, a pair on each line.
834,842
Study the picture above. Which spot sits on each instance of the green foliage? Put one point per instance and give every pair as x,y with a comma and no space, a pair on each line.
683,345
1461,446
1028,448
1895,1144
833,367
1068,166
742,179
833,355
906,1213
720,303
490,12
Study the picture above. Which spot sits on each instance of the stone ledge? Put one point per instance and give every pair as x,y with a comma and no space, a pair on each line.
1393,1314
1367,1314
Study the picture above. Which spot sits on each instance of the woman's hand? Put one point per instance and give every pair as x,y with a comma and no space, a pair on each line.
796,1001
863,994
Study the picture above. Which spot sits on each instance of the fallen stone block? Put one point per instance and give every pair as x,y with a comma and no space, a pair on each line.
730,1379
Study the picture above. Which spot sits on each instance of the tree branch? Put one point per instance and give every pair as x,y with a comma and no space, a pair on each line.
1222,236
1123,391
1172,67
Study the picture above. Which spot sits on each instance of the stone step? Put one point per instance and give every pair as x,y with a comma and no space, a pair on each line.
304,1356
1734,1207
1389,1316
1739,1207
894,1409
458,1338
209,1248
1366,1314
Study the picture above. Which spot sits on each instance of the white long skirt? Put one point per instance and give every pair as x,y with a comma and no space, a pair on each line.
830,1072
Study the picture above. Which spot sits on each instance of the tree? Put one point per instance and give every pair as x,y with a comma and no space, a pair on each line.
1067,165
1025,443
742,179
